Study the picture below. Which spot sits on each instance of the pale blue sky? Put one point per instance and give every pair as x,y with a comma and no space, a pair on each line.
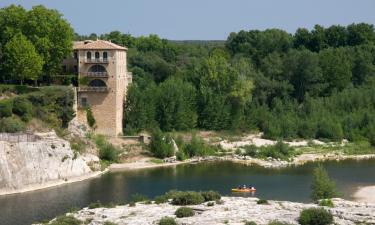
203,19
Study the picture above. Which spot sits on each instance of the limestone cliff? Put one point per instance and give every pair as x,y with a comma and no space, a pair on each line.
30,162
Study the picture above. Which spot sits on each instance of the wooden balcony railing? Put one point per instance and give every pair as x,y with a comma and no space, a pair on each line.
102,60
93,89
96,74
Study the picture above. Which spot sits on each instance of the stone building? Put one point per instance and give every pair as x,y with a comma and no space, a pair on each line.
102,83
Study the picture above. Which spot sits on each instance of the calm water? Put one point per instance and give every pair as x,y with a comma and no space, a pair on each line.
283,184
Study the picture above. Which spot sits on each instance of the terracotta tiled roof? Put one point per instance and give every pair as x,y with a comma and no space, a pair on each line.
99,44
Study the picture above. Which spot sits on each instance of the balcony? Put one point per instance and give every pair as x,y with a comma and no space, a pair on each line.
92,89
96,74
100,60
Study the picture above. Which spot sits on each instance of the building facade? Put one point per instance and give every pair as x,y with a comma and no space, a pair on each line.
102,83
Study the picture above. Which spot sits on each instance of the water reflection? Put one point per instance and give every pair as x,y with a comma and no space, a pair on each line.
283,184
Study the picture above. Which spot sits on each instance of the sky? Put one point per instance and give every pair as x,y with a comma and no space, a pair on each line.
203,19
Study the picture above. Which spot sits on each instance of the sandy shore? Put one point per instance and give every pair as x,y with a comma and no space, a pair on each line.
365,194
54,183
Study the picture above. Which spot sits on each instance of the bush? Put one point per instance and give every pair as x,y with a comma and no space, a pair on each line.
167,221
181,156
251,150
210,196
6,107
187,198
107,151
211,204
250,223
322,186
278,223
11,125
262,202
315,216
326,202
90,117
184,212
161,146
330,130
66,220
95,205
161,199
23,108
139,198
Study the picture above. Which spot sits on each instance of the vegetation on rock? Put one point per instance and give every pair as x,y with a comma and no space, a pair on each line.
315,216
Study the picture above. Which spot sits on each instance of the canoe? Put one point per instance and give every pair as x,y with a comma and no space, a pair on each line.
243,190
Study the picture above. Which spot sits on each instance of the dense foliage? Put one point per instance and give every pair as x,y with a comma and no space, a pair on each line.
33,43
184,212
52,105
311,84
322,186
315,216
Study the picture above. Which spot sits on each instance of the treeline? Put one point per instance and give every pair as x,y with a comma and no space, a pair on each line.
270,80
33,44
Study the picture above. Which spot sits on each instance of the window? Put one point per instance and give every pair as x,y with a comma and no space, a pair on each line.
75,55
97,68
105,56
75,69
97,83
88,55
97,56
84,102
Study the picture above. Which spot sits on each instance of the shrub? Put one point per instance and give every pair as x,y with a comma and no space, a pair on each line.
23,108
251,150
66,220
330,130
187,198
181,156
90,117
107,151
315,216
184,212
167,221
161,146
250,223
210,196
11,125
211,204
6,107
322,186
109,223
95,205
278,223
139,198
161,199
326,202
262,202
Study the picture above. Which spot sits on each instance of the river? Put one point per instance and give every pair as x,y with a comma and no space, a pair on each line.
292,184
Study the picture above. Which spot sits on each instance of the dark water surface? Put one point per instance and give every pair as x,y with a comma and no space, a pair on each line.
291,184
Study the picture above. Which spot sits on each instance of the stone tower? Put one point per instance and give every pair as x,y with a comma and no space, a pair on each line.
103,80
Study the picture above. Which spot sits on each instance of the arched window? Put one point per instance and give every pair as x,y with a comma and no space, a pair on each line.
97,68
97,56
88,55
97,83
105,56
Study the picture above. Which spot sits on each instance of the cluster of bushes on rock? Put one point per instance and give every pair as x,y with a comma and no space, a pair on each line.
280,150
53,105
162,146
107,152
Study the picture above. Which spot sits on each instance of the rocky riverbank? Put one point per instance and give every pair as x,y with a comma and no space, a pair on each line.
365,194
233,210
39,161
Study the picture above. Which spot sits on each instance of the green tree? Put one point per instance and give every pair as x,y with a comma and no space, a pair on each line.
21,61
322,186
176,105
337,68
51,35
161,146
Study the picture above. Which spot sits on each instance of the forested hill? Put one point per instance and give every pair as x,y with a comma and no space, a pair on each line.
316,83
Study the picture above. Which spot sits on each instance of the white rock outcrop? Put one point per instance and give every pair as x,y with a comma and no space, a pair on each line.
234,211
46,161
